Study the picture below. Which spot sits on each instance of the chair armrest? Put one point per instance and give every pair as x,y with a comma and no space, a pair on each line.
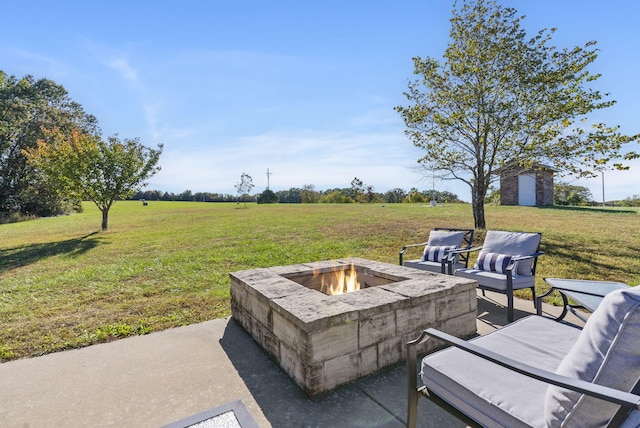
402,251
530,256
612,395
463,250
586,293
451,255
514,260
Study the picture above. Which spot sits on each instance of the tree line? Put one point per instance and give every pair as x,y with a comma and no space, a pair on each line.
306,194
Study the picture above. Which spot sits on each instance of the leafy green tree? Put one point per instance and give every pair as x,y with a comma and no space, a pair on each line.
27,106
493,196
440,197
448,197
267,197
336,197
500,99
569,194
414,197
187,195
631,201
395,196
244,187
291,196
370,196
309,194
84,166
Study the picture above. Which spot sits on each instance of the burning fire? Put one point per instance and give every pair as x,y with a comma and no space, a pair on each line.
339,281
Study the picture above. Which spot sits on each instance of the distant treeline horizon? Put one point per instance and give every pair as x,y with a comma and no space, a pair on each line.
307,194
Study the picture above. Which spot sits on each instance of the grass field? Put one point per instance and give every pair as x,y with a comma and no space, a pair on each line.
65,284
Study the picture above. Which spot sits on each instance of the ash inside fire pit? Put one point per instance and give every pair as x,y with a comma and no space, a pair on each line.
324,341
342,279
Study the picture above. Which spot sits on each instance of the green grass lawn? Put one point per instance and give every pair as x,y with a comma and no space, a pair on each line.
65,284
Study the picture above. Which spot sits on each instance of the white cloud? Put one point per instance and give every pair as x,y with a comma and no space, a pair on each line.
325,159
123,67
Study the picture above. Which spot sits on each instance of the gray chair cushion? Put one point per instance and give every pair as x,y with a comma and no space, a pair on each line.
442,237
514,244
608,353
495,280
470,383
430,266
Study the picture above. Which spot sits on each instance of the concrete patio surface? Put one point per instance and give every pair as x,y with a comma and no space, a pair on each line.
153,380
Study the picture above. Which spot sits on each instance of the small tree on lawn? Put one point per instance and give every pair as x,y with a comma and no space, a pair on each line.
244,187
503,100
86,167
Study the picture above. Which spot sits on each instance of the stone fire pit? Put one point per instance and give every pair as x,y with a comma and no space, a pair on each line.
323,341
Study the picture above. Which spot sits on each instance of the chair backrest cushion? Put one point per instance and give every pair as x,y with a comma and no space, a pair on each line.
607,352
513,244
442,238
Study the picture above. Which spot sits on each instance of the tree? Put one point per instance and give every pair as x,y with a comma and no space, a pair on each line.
569,194
309,194
336,197
357,189
395,196
502,100
27,106
86,167
414,197
291,196
371,196
493,196
244,187
267,197
631,201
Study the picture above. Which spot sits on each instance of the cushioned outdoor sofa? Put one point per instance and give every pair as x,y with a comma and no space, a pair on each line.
537,372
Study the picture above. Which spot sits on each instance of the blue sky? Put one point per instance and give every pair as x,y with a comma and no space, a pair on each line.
306,89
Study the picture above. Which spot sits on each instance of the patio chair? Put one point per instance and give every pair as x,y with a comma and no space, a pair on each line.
537,372
506,261
441,240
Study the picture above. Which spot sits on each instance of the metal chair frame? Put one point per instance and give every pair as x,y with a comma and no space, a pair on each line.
509,274
467,242
627,400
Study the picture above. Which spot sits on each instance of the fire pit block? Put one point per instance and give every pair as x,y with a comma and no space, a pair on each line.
324,341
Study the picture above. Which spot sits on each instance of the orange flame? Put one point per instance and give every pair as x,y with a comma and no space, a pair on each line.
340,281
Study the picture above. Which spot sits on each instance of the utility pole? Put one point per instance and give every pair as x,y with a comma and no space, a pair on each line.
269,174
603,199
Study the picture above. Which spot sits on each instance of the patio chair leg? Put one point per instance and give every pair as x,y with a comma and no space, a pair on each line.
510,307
533,296
412,382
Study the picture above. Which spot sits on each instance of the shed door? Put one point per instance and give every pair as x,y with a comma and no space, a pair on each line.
527,190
